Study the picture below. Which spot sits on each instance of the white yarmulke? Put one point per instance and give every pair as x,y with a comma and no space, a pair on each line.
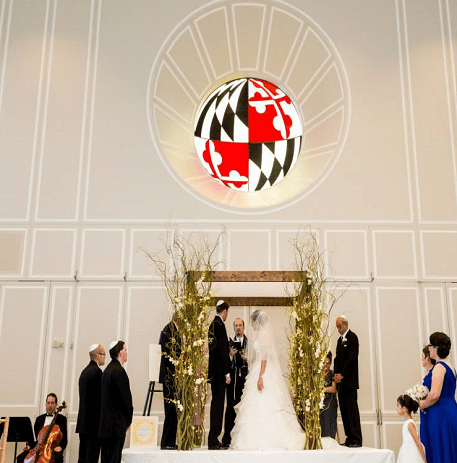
113,343
92,347
220,302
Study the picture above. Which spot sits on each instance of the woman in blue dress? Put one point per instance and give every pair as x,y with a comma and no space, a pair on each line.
428,364
440,408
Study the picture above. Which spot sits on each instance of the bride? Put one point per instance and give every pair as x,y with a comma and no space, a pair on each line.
265,417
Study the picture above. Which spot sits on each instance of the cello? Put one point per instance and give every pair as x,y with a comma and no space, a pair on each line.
48,439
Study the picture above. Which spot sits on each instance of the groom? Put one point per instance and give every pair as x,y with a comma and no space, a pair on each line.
218,373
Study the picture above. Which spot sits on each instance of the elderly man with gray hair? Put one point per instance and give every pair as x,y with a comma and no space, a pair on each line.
346,367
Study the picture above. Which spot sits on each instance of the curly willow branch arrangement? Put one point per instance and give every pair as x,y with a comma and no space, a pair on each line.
309,339
187,279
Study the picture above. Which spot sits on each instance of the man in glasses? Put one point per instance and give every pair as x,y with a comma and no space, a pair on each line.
88,422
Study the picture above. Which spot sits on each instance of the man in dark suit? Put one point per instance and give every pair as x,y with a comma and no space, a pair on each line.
90,384
238,373
44,420
218,373
346,367
171,348
116,405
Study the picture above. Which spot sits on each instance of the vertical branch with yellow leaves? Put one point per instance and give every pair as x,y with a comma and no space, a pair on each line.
309,338
186,275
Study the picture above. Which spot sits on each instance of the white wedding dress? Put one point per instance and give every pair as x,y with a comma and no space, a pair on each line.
266,420
408,451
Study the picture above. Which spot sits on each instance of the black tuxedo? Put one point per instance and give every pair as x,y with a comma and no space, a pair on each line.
238,373
347,364
116,411
61,421
90,383
166,377
218,368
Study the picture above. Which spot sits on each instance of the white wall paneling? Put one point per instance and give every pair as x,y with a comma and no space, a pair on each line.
26,41
59,342
12,252
399,343
53,253
397,307
394,254
430,92
256,242
199,238
152,241
435,310
347,254
103,253
452,303
285,253
24,326
147,312
439,254
60,154
97,108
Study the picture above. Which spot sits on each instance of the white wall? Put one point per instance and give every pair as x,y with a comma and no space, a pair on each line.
97,101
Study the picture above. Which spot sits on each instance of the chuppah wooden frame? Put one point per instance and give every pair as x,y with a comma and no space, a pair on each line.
255,276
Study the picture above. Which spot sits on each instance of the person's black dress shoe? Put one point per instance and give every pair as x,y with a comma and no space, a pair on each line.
353,445
217,446
169,447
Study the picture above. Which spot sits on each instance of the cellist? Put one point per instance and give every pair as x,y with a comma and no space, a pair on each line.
42,421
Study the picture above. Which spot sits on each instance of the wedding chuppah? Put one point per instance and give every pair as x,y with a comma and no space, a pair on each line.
308,305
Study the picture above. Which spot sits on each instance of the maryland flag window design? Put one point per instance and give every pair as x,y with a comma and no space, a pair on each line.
248,134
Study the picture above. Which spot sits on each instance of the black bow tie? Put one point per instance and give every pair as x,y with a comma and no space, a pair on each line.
49,414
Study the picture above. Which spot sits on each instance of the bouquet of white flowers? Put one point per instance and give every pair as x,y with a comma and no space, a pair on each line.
418,392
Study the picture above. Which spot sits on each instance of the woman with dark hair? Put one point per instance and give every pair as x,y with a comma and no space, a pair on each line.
428,364
329,410
440,425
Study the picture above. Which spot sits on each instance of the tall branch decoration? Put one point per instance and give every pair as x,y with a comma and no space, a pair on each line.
186,275
309,339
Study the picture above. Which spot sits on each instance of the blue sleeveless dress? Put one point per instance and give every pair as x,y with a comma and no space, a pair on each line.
423,414
439,422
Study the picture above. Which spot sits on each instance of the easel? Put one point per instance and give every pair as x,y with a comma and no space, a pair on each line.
154,365
4,438
19,429
149,396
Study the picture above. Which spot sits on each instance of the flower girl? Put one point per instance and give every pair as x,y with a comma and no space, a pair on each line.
412,450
